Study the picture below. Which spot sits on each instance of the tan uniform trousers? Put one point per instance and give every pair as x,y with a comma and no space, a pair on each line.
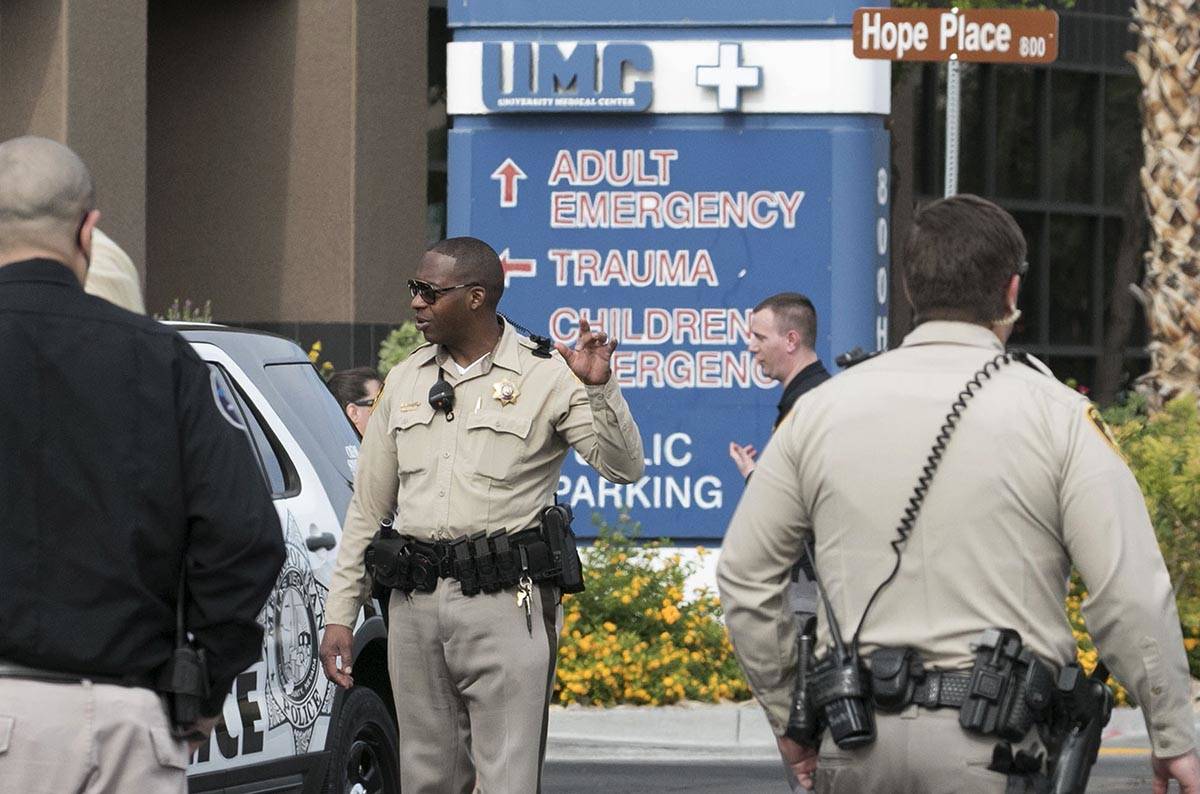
919,751
63,738
472,685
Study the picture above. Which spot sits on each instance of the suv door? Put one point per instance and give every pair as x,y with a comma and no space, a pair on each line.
278,712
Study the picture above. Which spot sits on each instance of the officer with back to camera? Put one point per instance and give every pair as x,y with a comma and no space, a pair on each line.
121,467
465,447
1028,485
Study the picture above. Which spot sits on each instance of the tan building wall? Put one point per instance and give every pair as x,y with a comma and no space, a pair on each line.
269,156
286,154
76,72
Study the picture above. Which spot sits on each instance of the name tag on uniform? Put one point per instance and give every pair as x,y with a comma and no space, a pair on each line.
408,406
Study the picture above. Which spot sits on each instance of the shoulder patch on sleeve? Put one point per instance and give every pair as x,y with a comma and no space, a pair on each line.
224,400
1093,415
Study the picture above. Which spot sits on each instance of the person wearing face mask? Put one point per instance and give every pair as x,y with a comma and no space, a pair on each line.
125,480
1002,480
462,454
355,391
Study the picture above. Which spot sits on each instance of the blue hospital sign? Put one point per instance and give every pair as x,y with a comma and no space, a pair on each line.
665,225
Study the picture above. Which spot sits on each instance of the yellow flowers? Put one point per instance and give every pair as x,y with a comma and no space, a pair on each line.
633,637
1085,651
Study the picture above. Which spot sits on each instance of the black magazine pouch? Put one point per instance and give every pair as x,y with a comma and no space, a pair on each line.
895,673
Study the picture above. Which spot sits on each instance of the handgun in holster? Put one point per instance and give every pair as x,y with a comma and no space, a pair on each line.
804,720
183,682
387,562
1084,706
564,553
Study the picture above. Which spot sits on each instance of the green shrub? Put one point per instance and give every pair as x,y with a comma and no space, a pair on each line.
398,344
633,636
1164,453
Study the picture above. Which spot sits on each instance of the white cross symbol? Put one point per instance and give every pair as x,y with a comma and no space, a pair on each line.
728,76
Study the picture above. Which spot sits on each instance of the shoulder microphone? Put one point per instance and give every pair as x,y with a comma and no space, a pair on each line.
441,396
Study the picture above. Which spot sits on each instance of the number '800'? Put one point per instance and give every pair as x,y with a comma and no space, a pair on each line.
1031,46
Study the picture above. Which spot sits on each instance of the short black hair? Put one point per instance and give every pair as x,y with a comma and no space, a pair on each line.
349,385
474,261
793,312
958,259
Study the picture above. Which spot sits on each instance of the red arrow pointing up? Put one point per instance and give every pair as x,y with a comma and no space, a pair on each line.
507,174
525,268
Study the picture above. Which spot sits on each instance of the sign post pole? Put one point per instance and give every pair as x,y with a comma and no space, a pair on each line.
953,114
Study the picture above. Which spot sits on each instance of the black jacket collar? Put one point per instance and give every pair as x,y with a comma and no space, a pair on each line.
47,271
808,378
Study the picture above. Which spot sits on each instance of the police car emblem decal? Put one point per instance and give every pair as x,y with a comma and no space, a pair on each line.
294,616
224,400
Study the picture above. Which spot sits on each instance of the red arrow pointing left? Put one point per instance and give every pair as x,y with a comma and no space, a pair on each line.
507,175
525,268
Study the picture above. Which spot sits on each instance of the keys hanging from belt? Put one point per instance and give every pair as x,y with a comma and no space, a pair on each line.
525,599
525,589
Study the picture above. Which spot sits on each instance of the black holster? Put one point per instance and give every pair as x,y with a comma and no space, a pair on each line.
1082,708
804,720
564,553
183,681
387,562
1010,688
183,685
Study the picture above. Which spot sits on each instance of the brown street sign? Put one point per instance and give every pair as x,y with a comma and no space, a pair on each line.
947,34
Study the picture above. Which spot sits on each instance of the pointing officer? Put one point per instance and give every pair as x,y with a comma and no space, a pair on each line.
1026,486
465,447
118,474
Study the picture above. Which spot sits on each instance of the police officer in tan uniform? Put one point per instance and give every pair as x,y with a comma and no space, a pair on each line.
1028,486
472,675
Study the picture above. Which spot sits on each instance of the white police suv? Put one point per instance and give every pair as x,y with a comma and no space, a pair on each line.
285,727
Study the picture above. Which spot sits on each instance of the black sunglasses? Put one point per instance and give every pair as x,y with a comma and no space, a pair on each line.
429,293
365,402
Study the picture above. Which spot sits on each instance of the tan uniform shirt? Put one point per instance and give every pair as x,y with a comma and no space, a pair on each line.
1028,486
496,465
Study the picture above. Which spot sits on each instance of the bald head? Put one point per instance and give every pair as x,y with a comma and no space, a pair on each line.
45,196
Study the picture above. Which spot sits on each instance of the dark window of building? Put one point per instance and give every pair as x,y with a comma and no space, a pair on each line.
1059,147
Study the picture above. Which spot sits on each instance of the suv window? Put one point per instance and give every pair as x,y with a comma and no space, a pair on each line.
318,412
277,469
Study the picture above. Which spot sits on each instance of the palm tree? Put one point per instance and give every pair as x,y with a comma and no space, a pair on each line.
1168,63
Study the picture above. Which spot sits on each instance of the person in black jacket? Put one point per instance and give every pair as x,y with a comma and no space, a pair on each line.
121,467
783,335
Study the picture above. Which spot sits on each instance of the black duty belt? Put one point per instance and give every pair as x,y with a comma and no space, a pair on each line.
942,689
12,670
480,562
